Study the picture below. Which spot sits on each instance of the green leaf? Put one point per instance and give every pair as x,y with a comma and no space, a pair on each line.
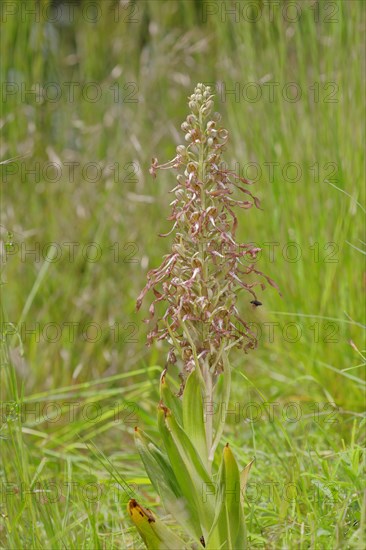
155,534
217,537
234,510
163,479
244,474
192,476
181,473
193,416
157,466
228,529
170,400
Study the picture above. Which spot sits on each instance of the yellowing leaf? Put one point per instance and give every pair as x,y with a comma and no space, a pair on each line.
152,530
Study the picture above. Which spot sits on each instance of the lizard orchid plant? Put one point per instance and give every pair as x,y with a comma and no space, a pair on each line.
199,282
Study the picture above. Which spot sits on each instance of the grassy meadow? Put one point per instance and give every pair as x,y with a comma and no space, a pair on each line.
91,91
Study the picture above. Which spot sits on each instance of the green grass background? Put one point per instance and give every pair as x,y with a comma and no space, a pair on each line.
69,405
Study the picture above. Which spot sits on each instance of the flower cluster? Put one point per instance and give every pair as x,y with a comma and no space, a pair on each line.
201,278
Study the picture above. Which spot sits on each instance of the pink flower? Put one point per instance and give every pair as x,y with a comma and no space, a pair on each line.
199,280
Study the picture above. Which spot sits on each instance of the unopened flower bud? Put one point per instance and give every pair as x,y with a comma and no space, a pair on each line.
196,262
212,212
171,357
191,167
176,247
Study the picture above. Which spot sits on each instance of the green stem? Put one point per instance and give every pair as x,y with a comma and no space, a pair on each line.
208,404
207,374
223,408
